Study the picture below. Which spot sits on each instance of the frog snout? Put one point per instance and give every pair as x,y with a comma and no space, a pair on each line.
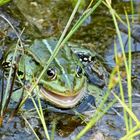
68,81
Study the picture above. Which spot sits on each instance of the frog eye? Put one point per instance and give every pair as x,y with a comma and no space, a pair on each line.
6,65
51,73
79,71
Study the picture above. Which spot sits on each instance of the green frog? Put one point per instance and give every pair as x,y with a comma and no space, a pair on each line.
65,83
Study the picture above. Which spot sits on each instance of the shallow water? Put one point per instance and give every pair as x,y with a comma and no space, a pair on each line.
42,19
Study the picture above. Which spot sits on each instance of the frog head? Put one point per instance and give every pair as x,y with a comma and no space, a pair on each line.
64,82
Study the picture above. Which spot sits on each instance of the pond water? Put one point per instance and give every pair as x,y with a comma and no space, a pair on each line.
44,19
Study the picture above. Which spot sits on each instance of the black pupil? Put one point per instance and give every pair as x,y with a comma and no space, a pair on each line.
50,72
79,70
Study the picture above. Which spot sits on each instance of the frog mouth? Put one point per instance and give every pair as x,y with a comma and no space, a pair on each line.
63,101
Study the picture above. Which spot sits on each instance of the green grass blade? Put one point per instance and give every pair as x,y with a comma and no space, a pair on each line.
129,84
10,72
30,127
132,10
121,89
81,20
53,129
130,133
42,118
132,115
2,2
94,120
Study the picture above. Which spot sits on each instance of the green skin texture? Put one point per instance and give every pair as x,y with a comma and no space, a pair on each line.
67,85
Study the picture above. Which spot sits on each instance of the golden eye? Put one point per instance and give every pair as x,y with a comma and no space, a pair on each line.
51,73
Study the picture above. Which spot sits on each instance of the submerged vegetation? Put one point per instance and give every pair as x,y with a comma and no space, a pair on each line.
114,92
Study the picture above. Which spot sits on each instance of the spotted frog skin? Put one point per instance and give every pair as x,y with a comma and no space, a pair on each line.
64,84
